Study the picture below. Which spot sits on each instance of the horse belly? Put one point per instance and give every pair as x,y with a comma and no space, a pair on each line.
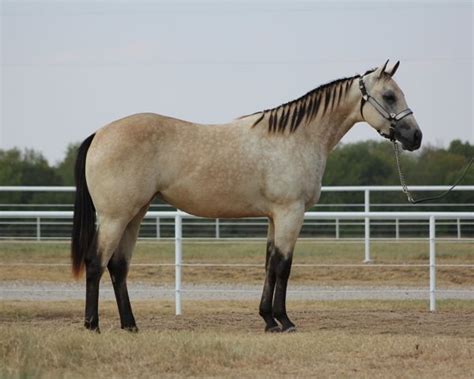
212,202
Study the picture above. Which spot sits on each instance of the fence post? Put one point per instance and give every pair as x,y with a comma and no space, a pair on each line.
337,229
218,232
459,228
432,264
367,226
178,261
38,228
158,233
397,229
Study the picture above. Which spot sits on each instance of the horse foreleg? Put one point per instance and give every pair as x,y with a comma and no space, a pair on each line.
269,285
282,265
288,224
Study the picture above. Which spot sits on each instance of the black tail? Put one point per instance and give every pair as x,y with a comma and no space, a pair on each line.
83,229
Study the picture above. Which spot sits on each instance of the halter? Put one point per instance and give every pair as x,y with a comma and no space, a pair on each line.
392,117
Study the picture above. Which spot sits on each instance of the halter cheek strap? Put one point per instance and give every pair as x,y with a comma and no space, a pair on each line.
392,117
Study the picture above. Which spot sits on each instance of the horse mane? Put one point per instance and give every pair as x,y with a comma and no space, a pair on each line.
291,114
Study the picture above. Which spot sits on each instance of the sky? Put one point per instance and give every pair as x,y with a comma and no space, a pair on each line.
70,67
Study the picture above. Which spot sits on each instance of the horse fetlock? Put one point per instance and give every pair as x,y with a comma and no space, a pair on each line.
265,311
283,319
269,320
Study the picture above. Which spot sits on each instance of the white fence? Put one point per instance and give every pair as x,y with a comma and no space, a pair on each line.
48,228
368,217
179,216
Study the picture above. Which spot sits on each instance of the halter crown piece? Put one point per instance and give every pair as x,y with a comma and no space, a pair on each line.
392,117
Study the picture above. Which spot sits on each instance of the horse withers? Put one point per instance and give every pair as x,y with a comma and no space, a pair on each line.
269,163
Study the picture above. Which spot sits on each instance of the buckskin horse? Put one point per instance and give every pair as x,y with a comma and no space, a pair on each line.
269,164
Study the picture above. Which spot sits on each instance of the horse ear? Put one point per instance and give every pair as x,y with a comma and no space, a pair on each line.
382,70
394,69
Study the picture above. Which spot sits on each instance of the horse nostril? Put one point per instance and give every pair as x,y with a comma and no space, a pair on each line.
417,136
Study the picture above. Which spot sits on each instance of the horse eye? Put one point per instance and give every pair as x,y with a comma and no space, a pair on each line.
389,97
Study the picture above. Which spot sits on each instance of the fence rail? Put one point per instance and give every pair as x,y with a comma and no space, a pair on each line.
38,228
365,219
178,217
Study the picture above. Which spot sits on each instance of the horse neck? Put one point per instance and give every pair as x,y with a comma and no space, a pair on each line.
327,130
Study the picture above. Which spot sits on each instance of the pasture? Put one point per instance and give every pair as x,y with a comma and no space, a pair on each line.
225,338
357,339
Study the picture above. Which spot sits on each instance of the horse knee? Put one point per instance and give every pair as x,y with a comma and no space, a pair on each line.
118,269
283,268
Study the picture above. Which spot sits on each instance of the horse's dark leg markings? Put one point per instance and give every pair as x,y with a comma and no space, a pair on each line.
118,270
282,267
118,267
94,272
268,289
288,222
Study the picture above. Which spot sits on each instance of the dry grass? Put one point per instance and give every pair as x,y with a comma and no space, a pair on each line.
312,252
225,339
357,339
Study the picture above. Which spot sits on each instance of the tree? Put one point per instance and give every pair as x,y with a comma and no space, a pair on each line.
26,168
65,169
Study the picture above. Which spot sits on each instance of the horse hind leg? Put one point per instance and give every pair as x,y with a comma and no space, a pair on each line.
107,240
118,267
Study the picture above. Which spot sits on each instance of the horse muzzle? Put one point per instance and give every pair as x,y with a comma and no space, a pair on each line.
410,138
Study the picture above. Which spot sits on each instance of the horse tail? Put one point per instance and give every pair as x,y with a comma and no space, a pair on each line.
83,229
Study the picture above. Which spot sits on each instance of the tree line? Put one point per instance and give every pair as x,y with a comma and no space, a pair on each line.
361,163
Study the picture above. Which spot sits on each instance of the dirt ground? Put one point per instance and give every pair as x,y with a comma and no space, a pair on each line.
455,318
216,338
226,339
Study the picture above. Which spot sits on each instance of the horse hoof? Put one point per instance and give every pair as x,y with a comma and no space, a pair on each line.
131,329
273,329
92,328
291,329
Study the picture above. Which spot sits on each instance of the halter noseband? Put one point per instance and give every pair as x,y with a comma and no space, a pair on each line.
392,117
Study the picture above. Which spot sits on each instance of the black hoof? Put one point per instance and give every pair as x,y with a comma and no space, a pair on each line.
272,329
131,329
92,328
291,329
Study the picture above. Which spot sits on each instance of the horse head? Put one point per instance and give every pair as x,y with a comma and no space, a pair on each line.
383,106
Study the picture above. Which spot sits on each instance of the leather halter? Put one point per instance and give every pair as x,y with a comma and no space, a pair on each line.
392,117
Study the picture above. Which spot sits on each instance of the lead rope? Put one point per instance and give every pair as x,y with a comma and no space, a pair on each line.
407,192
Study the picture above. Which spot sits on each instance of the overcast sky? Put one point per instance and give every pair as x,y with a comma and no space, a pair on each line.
69,67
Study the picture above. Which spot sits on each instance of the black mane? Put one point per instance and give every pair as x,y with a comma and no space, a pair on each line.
291,115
